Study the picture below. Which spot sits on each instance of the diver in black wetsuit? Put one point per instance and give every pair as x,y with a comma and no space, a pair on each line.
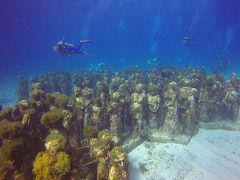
188,42
69,49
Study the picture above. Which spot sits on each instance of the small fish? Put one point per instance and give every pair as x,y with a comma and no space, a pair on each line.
154,59
100,64
91,67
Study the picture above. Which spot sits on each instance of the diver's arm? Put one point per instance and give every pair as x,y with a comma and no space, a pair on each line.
85,41
78,47
68,45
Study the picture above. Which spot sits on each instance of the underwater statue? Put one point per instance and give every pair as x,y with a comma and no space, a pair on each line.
115,115
70,49
104,98
187,110
153,104
231,99
87,99
137,111
171,121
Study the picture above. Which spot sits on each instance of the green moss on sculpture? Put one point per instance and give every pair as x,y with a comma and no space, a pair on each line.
47,166
37,94
209,81
117,155
11,130
116,172
97,101
61,164
6,113
31,116
12,153
153,89
103,144
55,142
72,100
116,97
100,147
52,119
61,100
90,132
139,88
12,150
5,171
42,166
30,111
102,87
16,113
118,164
104,135
50,99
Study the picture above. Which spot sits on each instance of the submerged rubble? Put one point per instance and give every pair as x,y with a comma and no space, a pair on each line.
76,122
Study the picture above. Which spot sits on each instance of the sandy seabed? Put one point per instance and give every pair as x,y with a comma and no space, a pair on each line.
210,155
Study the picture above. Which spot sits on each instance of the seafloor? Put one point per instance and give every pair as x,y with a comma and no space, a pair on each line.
210,155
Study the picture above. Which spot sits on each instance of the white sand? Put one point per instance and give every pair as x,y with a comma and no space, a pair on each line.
210,155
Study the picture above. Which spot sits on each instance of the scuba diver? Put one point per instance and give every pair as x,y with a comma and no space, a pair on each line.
70,49
188,42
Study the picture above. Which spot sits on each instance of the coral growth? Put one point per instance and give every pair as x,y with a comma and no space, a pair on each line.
61,100
11,130
55,142
47,166
90,132
52,119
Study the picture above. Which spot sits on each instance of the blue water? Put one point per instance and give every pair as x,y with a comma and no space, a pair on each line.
123,33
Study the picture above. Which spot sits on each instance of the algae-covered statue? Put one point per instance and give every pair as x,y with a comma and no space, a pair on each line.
115,117
171,121
153,104
137,110
87,100
187,110
103,98
232,98
115,83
